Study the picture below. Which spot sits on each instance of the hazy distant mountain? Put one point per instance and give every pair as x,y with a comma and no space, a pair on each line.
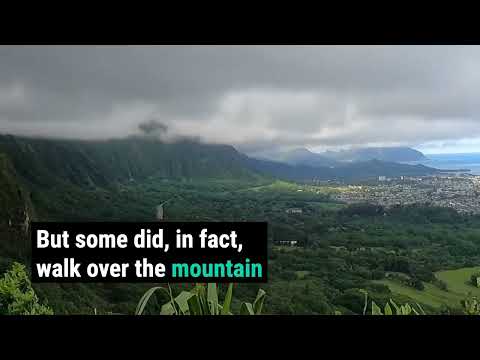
395,154
302,156
355,171
299,156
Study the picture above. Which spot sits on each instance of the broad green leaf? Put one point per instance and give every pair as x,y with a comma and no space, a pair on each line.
212,292
182,301
146,297
167,309
375,309
228,300
258,303
388,309
212,298
422,312
202,297
201,300
408,309
246,309
397,308
194,305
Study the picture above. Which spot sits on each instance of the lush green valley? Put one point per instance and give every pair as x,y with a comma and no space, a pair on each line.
399,253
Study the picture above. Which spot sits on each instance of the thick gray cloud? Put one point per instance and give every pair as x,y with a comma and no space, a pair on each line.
250,96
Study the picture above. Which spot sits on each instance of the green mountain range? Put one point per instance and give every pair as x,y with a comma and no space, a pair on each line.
101,163
45,162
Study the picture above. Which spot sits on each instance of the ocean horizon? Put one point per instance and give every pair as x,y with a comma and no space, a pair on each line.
452,161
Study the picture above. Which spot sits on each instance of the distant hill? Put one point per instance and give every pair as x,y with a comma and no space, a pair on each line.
393,154
303,156
299,156
346,172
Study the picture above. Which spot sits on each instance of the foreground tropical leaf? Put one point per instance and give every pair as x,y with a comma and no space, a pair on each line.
212,298
195,306
388,309
397,308
258,303
228,300
376,309
246,309
201,300
182,301
148,294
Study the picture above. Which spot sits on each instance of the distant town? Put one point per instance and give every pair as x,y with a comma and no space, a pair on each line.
459,191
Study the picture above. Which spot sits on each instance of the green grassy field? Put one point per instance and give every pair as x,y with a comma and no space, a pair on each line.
457,285
431,295
457,280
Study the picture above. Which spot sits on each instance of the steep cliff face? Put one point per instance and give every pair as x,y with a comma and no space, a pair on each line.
16,213
45,164
101,163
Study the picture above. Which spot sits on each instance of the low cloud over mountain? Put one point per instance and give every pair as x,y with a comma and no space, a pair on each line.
254,97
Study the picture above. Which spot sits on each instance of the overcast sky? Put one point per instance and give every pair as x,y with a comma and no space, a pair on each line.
253,97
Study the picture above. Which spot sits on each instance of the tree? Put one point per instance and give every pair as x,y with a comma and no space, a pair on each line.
417,284
475,279
471,306
442,285
17,296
